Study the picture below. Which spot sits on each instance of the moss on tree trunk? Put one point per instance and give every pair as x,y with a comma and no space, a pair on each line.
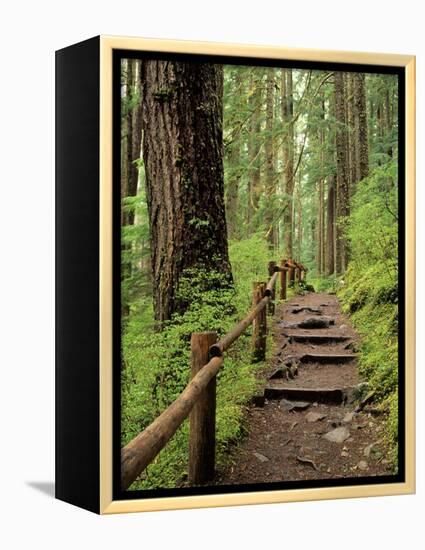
183,155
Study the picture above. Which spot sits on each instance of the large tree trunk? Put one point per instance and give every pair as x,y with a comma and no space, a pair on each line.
233,190
269,152
321,198
233,154
388,117
131,136
299,216
287,107
381,127
183,155
319,241
330,227
126,71
343,191
352,123
136,136
254,150
361,126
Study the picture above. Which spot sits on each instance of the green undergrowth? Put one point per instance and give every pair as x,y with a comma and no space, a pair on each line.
324,284
370,297
156,365
369,290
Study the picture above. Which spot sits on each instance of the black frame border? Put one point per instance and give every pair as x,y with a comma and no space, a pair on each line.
400,477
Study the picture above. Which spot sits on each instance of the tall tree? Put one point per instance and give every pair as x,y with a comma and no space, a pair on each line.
233,154
232,189
320,254
131,135
125,83
343,191
287,107
352,133
183,155
361,126
330,226
299,215
269,154
254,148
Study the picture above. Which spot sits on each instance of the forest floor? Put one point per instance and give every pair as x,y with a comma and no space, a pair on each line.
315,420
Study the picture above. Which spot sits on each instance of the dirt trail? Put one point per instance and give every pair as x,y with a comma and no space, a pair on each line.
307,427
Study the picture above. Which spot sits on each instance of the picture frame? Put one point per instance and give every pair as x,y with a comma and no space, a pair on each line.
88,369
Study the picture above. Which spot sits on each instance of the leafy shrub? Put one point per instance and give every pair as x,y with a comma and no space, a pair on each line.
370,290
157,364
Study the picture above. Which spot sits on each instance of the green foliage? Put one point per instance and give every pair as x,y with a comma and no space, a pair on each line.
375,199
135,251
249,259
369,288
392,433
325,284
157,364
382,90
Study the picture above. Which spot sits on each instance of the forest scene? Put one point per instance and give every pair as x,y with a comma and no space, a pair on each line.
231,174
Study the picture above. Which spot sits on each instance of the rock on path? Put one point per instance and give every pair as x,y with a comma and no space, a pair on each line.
315,431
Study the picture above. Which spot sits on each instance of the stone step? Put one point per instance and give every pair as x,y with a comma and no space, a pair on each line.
327,358
306,309
316,338
313,395
319,322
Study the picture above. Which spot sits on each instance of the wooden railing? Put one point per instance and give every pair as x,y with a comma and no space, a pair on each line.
199,397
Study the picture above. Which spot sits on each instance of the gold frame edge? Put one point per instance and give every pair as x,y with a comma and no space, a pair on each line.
107,505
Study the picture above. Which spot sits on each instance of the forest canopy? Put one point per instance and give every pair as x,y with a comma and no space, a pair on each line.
224,168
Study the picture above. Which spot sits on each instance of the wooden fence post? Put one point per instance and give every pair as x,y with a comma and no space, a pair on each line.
291,273
283,281
259,324
298,275
202,416
271,267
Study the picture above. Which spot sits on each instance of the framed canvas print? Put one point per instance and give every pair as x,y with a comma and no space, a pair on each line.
235,274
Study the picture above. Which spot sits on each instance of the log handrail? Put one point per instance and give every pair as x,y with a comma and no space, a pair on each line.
227,340
142,449
287,268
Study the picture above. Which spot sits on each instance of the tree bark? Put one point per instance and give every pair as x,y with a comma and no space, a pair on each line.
269,153
183,155
233,190
343,191
361,126
321,201
254,151
132,135
298,203
126,72
319,250
352,133
287,108
233,163
330,227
